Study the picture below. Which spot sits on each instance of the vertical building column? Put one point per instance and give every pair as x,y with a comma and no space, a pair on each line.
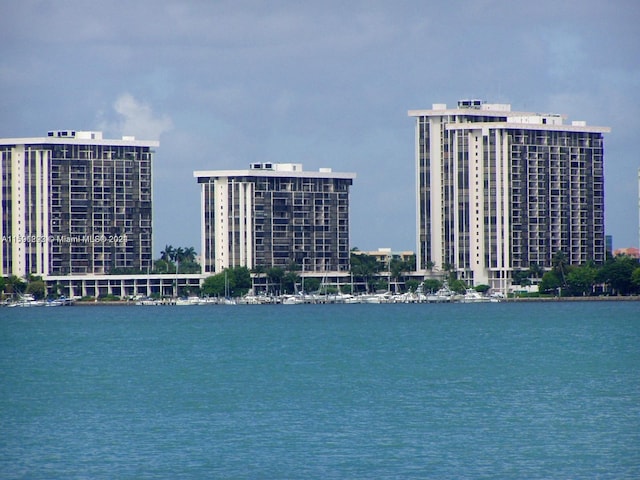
453,219
479,233
503,208
221,228
248,224
203,228
242,231
420,213
18,198
436,194
41,227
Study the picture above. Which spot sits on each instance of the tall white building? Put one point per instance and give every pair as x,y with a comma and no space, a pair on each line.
74,203
274,214
499,191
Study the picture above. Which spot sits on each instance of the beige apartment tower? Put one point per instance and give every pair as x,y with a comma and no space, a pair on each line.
74,203
499,191
275,214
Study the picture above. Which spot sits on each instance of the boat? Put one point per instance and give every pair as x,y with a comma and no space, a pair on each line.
296,299
148,301
59,302
473,296
193,300
27,300
443,295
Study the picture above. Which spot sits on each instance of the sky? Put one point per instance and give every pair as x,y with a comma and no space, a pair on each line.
222,84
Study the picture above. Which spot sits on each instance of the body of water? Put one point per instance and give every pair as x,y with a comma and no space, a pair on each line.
508,390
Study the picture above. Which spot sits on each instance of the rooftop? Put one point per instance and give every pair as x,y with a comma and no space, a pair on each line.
79,137
528,120
271,169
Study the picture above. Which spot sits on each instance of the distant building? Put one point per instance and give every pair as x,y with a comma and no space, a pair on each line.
499,191
384,255
274,214
630,251
74,203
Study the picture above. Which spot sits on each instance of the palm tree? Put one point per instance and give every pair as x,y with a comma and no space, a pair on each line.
168,253
178,254
535,270
560,263
189,254
364,267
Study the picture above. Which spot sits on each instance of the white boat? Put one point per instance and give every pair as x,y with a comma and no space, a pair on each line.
445,294
292,299
59,302
193,300
27,300
148,301
473,296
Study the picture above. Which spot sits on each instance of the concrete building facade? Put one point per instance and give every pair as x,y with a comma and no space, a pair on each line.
74,203
274,214
499,191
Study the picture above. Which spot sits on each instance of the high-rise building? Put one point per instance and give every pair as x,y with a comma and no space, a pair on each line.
499,191
74,203
274,214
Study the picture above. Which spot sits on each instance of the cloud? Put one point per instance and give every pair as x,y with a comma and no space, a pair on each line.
136,118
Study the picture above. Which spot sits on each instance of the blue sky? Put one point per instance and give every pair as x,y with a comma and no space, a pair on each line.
222,84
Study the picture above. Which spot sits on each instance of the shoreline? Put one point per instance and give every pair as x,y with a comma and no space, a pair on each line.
621,298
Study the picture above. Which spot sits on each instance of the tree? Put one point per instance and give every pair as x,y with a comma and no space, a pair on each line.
458,286
235,282
398,267
617,272
214,285
311,284
535,270
412,285
241,281
580,280
15,285
177,260
560,263
178,254
635,279
162,266
289,281
275,275
432,285
36,287
550,282
189,254
364,267
521,277
167,254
